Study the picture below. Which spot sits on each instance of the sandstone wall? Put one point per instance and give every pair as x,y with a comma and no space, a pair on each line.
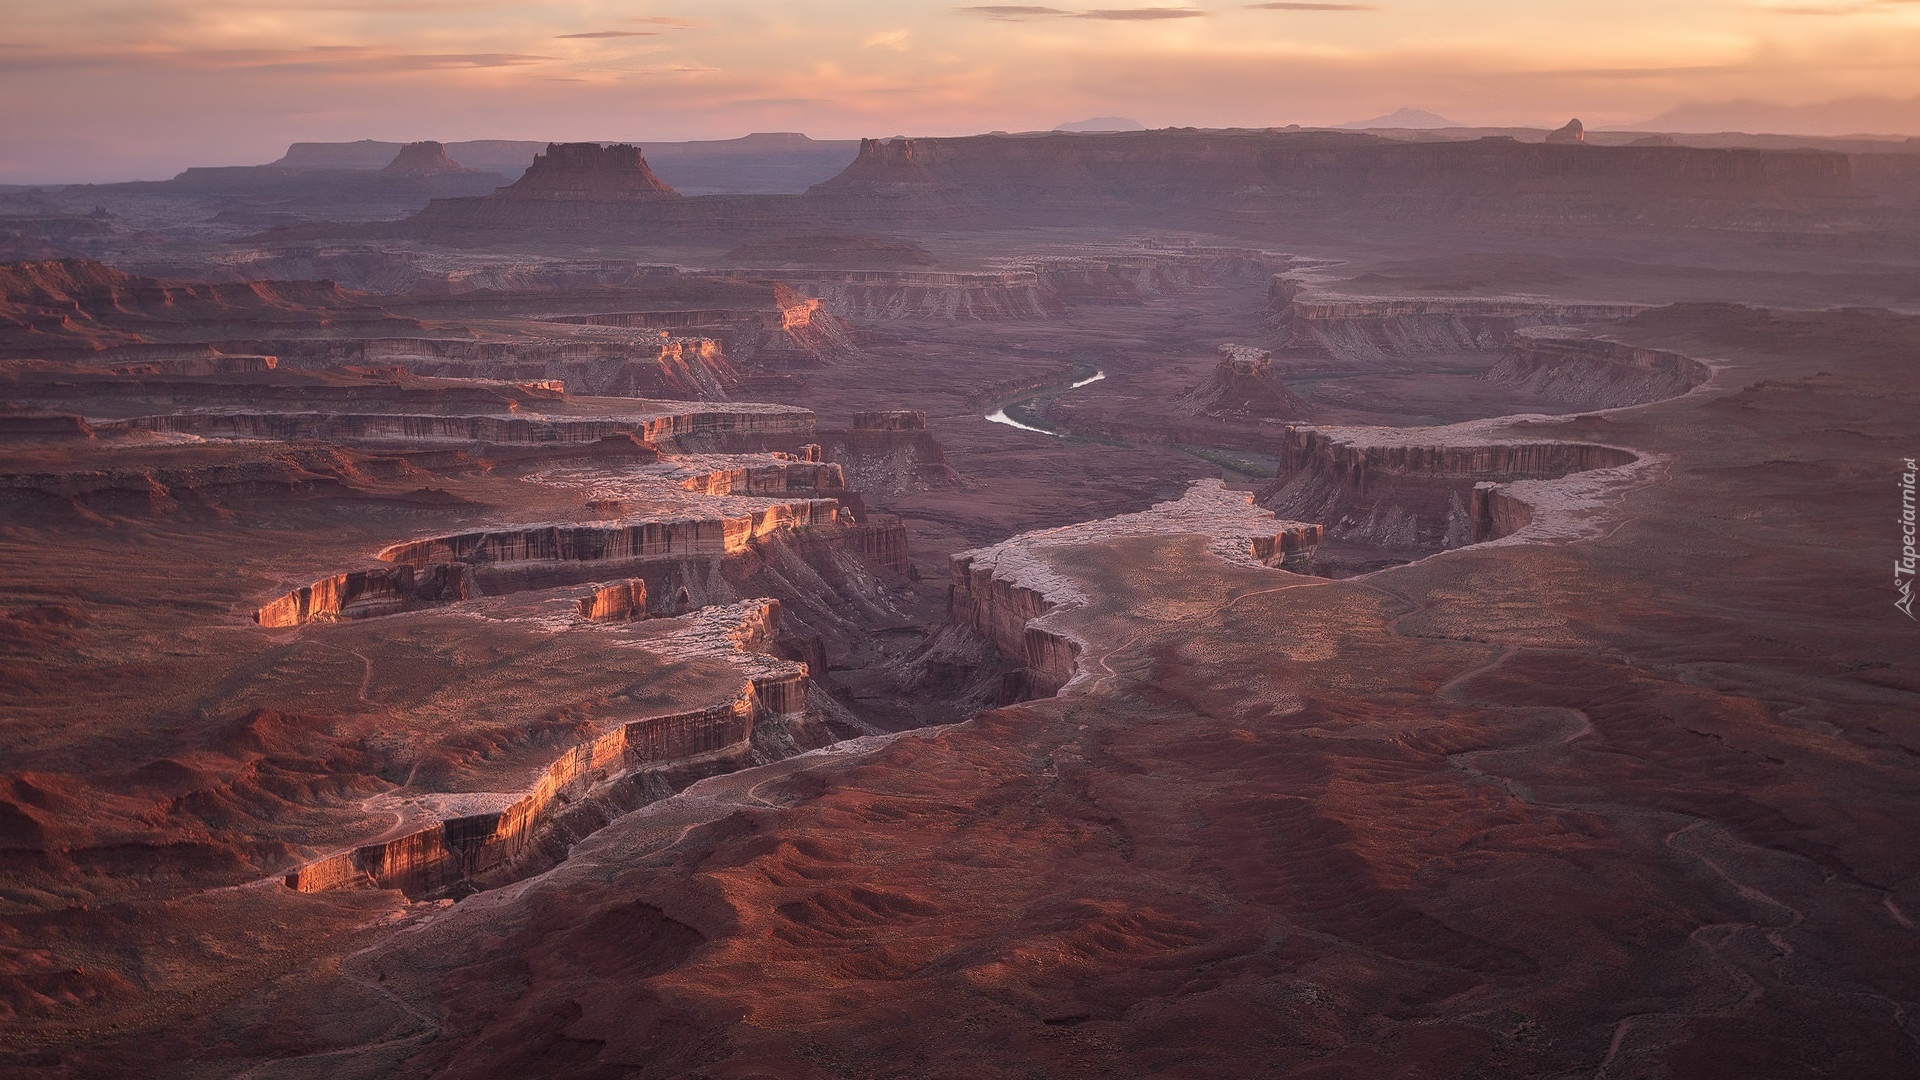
783,478
1368,328
364,593
619,602
1003,611
1497,513
1410,496
386,427
1595,372
614,543
467,843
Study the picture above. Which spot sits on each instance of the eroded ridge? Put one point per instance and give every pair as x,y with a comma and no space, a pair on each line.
1308,315
1415,491
1594,371
1006,592
443,838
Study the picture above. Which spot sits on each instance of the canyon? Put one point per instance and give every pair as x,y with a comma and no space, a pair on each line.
1208,603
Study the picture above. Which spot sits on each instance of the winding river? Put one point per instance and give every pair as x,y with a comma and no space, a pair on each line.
999,415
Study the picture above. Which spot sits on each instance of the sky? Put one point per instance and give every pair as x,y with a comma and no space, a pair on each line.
126,89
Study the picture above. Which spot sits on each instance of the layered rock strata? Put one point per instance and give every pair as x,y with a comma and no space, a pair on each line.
1423,489
655,365
890,420
1028,289
620,602
1372,327
1595,372
588,172
654,426
1293,173
790,330
360,594
612,544
479,832
427,158
1006,592
1243,385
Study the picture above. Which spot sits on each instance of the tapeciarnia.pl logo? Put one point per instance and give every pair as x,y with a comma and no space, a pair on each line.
1903,567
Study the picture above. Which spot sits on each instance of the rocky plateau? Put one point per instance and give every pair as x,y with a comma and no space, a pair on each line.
1165,603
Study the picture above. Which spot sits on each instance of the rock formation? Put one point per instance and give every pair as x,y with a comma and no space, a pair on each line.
424,159
1412,492
1088,176
1594,372
1008,591
364,593
619,602
588,172
1243,385
887,168
482,831
1362,327
890,420
67,307
1567,134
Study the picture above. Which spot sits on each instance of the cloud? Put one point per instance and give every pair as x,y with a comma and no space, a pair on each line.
1023,12
1859,7
375,61
897,40
671,21
1642,73
1141,14
1013,12
1312,7
612,34
354,59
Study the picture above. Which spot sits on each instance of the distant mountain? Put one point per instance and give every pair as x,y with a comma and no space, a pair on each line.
1847,116
1413,119
768,162
1103,123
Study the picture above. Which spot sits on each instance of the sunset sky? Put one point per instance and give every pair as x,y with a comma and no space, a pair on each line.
115,89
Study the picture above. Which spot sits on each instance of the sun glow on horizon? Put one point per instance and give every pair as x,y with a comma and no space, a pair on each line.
98,89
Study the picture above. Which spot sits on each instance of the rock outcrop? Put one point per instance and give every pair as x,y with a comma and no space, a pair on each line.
1033,288
1594,372
1416,491
363,593
1243,385
770,479
78,306
1006,592
1294,174
886,295
888,168
588,172
614,544
479,832
644,366
1371,327
620,602
890,420
424,159
789,331
657,424
1568,134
